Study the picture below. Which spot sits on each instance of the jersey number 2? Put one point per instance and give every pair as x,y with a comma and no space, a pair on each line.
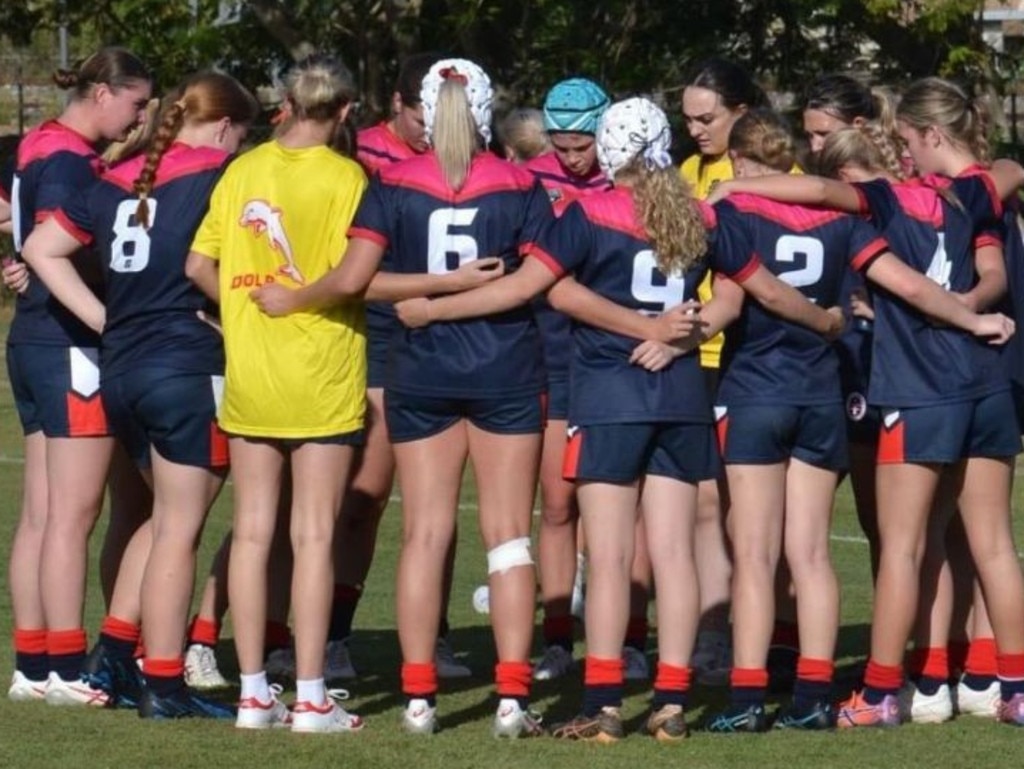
813,251
130,250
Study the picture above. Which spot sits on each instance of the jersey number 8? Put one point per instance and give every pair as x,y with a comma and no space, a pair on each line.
130,250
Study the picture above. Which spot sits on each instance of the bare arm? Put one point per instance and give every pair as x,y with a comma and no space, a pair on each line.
48,251
205,273
394,287
1008,176
790,188
786,302
6,225
991,285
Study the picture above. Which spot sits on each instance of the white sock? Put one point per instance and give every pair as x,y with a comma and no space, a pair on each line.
256,686
311,691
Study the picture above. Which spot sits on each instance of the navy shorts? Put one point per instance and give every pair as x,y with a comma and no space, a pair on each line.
414,417
173,412
944,434
624,453
556,402
863,421
57,390
768,435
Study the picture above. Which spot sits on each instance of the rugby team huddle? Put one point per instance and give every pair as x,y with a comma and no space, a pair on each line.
552,316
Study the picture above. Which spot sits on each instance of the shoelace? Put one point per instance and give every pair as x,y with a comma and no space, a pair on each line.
207,661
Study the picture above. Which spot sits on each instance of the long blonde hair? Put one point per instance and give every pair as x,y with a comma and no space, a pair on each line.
455,136
869,147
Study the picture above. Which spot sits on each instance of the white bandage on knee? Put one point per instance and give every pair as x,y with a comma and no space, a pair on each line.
508,555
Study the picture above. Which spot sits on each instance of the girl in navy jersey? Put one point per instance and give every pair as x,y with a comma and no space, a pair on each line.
162,371
52,360
945,403
455,391
633,439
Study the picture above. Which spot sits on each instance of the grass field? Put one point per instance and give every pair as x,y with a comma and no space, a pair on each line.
34,735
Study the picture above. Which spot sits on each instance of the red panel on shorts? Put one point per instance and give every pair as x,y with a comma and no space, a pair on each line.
571,458
86,417
890,444
722,431
219,453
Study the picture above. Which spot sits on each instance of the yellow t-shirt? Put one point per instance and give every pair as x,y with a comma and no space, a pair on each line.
282,215
702,175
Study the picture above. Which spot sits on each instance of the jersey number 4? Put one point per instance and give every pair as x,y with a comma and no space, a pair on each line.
130,250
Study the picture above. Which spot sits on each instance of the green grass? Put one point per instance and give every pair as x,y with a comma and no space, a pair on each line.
34,735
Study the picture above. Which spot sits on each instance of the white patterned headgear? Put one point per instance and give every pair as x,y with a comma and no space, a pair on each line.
478,91
629,128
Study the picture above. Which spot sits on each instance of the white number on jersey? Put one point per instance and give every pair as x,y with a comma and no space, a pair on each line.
941,267
644,289
813,251
16,213
130,250
441,241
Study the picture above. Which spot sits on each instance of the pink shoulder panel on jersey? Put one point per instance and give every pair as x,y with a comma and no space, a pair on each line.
52,137
180,160
920,200
488,174
377,147
793,217
614,209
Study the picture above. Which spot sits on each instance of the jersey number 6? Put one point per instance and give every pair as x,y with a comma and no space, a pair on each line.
447,250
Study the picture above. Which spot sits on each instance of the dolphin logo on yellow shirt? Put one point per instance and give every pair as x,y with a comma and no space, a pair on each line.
264,218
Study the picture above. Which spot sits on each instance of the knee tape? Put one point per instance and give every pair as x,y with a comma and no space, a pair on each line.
508,555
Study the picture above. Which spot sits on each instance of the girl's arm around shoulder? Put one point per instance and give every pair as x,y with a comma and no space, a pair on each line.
801,189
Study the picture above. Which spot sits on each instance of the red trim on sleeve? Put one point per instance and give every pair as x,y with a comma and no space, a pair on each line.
868,254
371,235
862,201
546,259
43,214
747,270
997,202
82,236
987,239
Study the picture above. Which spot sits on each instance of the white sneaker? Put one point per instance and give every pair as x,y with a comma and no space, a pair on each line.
513,722
555,663
201,670
577,604
329,717
984,703
634,665
256,714
923,708
447,664
280,664
419,717
25,689
337,662
482,599
61,692
712,658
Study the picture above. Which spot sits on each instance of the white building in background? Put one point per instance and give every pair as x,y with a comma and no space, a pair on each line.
1002,28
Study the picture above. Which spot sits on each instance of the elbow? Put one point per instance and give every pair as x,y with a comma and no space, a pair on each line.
194,267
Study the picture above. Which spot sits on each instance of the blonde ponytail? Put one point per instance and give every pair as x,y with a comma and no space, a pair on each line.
455,133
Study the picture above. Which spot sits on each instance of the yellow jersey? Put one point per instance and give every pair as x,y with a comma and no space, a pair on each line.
281,215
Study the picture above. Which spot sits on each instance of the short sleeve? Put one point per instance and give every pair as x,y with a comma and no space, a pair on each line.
373,219
979,198
64,176
878,201
538,215
866,244
732,253
75,219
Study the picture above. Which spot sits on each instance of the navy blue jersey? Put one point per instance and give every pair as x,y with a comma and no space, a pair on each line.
600,241
54,164
767,360
151,305
428,228
854,345
914,361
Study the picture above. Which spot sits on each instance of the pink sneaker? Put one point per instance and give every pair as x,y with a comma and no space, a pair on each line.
856,711
1012,711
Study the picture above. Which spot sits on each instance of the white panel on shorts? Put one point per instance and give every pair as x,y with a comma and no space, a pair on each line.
217,384
85,371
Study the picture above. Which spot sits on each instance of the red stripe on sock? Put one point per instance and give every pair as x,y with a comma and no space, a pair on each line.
30,641
819,671
748,678
558,629
65,641
171,668
1011,666
786,634
672,678
636,631
602,672
883,676
512,679
278,636
931,662
122,630
981,658
419,679
203,631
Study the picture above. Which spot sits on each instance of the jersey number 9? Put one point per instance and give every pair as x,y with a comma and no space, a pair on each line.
651,287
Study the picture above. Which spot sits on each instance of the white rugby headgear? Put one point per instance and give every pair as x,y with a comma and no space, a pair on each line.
478,91
629,128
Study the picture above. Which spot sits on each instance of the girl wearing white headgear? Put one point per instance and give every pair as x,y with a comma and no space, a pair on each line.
634,440
454,391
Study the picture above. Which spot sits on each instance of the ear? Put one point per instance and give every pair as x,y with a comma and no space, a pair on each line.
859,122
221,132
101,93
933,136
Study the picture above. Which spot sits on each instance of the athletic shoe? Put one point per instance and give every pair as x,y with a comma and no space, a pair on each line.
556,662
781,667
858,712
447,664
181,703
605,727
61,692
280,664
254,713
577,604
201,671
1012,711
419,717
668,724
119,678
712,658
818,716
925,708
309,718
973,702
735,719
512,721
337,662
25,689
634,665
